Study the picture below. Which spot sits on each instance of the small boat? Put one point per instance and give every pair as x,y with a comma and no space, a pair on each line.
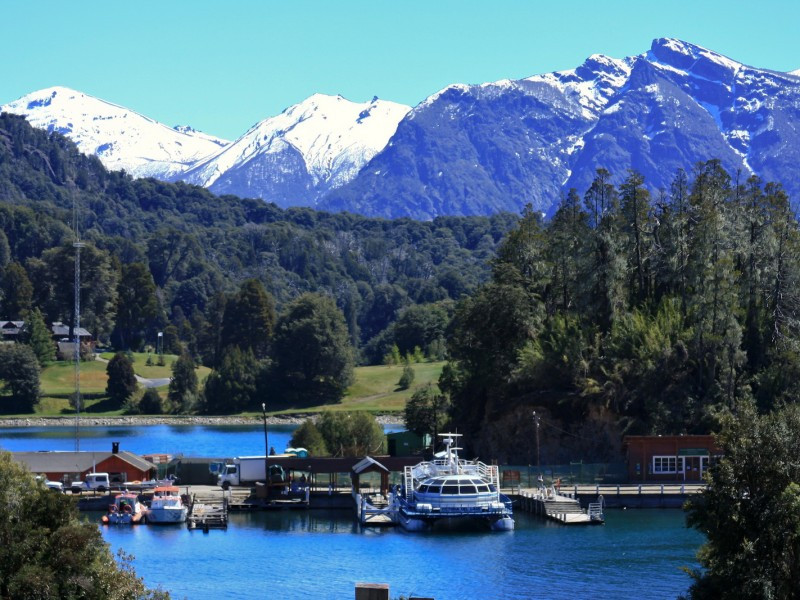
126,510
167,506
452,489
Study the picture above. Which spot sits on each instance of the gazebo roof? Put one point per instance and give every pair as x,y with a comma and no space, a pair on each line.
368,465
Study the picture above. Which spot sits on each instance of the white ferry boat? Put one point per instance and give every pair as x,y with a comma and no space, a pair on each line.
452,488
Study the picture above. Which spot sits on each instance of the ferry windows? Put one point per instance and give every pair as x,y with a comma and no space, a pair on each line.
423,489
467,489
483,488
450,489
435,489
665,464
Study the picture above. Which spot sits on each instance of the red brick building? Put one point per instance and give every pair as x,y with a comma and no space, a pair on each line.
669,458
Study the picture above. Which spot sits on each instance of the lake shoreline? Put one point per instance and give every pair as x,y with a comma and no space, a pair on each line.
136,421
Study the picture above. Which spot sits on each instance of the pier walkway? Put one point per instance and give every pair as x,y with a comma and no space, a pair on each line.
547,503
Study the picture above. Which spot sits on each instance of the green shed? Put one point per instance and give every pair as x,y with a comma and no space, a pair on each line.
406,443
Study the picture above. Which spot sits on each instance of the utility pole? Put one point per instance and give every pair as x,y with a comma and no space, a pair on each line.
538,463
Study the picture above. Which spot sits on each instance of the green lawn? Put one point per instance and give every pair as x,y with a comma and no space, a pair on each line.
58,379
58,383
375,389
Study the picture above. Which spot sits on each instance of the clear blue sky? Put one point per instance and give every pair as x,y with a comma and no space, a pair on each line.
222,66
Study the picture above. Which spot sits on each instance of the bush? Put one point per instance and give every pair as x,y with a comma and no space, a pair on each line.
309,437
150,404
407,378
351,433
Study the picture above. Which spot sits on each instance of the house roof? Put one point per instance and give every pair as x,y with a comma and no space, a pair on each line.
75,462
59,329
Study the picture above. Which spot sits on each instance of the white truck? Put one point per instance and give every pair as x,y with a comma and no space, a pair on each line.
244,470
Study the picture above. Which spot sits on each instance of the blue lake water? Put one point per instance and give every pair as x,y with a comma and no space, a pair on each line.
189,440
322,554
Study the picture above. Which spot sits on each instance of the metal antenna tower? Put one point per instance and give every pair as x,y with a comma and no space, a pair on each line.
77,244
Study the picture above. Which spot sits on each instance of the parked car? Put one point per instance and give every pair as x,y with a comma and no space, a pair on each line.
93,481
56,486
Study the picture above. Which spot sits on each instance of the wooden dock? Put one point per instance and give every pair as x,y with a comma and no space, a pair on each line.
562,509
208,512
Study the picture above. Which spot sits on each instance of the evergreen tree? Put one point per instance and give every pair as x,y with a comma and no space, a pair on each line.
16,292
98,288
568,232
39,338
183,385
636,230
426,412
312,353
150,403
249,319
121,379
232,387
603,277
19,375
137,311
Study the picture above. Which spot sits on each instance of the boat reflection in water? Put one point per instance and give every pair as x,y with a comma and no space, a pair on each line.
453,490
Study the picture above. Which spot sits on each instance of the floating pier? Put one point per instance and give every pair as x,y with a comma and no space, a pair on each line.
548,503
208,513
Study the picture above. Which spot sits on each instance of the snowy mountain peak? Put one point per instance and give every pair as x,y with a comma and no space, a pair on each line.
795,73
331,136
121,138
690,57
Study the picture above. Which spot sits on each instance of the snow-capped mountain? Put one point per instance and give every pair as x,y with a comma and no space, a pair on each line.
119,137
298,155
477,149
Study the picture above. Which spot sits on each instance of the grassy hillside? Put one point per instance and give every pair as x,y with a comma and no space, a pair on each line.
375,388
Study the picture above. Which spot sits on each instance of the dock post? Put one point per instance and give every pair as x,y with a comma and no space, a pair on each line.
372,591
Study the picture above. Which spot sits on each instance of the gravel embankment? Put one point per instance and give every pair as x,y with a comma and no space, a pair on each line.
168,420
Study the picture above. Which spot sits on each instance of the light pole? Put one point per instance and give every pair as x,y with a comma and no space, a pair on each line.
538,464
266,443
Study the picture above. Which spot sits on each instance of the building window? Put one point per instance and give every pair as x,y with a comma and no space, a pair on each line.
665,464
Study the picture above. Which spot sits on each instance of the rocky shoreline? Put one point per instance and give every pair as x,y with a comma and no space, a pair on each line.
136,421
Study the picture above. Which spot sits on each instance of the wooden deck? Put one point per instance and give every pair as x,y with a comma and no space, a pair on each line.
208,512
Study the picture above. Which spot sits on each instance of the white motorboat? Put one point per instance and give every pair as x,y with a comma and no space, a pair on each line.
454,489
167,506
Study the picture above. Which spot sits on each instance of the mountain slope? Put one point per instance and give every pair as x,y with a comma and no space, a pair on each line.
475,149
297,156
121,138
